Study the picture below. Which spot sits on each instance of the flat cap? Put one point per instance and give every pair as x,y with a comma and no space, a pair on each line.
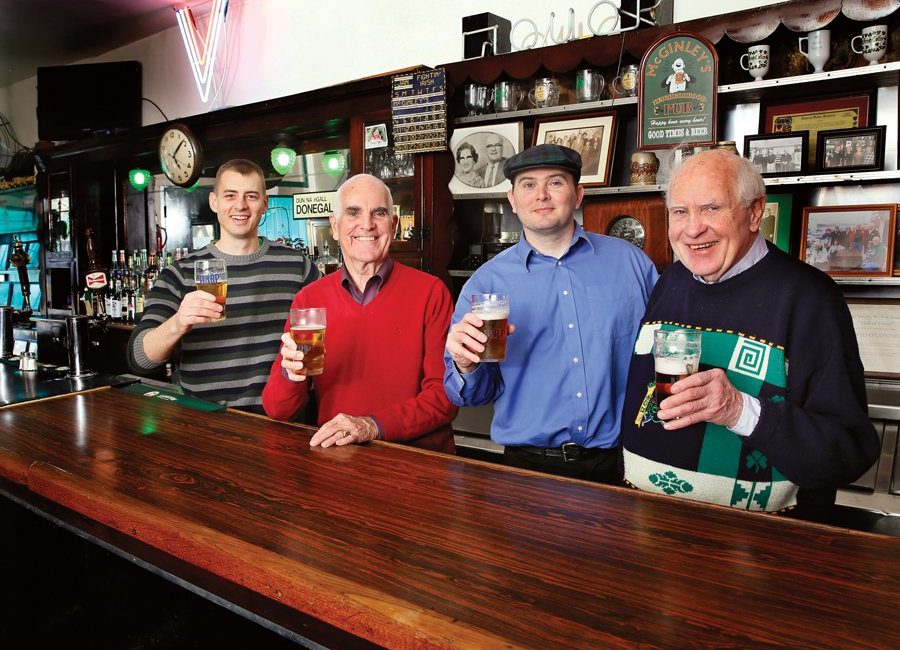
544,155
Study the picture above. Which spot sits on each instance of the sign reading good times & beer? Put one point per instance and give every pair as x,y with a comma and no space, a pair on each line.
677,93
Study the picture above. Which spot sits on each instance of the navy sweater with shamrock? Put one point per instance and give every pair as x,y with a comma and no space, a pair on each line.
782,332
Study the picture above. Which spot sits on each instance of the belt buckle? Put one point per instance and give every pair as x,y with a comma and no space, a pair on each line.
567,447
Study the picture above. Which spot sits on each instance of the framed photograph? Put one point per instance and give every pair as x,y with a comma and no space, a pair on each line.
849,240
778,154
318,232
851,150
376,136
480,153
814,116
776,220
593,136
877,327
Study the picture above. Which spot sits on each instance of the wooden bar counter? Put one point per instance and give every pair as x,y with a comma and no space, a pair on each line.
387,545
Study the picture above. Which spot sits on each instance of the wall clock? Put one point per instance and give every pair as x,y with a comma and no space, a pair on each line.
641,221
180,155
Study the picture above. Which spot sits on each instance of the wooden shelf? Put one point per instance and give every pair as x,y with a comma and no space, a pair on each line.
883,74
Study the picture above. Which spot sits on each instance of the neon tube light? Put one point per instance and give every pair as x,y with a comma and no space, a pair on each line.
202,59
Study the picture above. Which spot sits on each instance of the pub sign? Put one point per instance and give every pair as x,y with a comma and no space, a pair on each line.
677,93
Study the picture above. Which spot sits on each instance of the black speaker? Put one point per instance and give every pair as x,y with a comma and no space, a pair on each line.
661,15
480,29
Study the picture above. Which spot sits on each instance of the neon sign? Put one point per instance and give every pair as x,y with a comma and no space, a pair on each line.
202,58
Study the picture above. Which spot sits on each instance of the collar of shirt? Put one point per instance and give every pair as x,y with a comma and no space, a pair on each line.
373,284
525,250
757,251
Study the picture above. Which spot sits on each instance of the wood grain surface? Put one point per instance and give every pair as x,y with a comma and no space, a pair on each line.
411,549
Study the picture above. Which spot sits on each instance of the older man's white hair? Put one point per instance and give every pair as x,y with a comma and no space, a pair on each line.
748,184
355,180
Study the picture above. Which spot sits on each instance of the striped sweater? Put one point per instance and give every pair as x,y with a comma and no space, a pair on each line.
227,362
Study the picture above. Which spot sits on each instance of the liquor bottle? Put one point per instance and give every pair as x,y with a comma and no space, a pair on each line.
318,261
115,304
95,279
130,298
328,262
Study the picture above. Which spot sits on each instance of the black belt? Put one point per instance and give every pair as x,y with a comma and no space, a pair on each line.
569,451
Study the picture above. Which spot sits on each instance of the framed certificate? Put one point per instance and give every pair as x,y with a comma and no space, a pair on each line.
816,115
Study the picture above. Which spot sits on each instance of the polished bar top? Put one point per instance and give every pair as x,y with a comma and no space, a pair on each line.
406,548
47,381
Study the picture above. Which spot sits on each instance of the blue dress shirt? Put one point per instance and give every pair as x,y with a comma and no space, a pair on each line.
566,365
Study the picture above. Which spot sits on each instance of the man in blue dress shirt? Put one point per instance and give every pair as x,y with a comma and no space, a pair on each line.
575,301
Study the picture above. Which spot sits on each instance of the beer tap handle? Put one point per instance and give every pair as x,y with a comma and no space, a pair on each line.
20,259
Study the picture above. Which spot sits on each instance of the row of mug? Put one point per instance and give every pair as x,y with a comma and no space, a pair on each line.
509,95
871,43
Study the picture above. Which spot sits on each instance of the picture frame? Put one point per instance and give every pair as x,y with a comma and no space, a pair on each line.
318,234
877,327
593,136
816,115
376,136
849,240
850,150
775,225
474,165
778,154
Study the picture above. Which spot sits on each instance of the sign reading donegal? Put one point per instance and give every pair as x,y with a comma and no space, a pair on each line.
677,93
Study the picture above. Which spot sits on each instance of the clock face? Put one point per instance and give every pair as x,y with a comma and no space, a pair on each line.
629,229
179,155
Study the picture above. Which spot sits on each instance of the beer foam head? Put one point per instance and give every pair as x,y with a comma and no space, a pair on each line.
675,365
492,313
308,327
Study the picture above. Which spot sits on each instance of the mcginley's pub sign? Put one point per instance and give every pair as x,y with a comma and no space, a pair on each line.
677,93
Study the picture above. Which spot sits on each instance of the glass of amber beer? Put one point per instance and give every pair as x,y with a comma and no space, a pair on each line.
211,276
676,355
308,332
493,310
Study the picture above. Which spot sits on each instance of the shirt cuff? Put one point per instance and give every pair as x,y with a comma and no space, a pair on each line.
380,435
749,416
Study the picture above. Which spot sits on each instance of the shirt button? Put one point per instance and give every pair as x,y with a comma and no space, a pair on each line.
574,359
558,263
565,293
571,325
580,428
578,395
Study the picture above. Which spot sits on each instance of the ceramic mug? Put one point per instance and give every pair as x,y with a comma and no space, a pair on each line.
626,84
756,61
507,96
545,93
873,43
818,48
644,165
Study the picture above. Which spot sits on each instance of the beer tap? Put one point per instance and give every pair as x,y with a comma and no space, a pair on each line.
20,259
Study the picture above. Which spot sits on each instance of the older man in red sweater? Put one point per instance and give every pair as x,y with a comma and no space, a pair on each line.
384,367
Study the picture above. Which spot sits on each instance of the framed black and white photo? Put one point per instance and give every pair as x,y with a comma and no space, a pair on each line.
778,154
849,240
850,150
479,154
593,137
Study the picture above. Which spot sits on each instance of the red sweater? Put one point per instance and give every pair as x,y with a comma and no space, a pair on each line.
383,360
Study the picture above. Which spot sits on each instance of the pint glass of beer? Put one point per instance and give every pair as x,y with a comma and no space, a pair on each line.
211,276
676,355
308,332
493,310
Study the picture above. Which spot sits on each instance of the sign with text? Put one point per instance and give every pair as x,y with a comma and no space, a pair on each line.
677,93
314,205
419,111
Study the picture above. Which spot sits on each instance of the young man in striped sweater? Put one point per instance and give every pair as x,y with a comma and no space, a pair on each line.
225,361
